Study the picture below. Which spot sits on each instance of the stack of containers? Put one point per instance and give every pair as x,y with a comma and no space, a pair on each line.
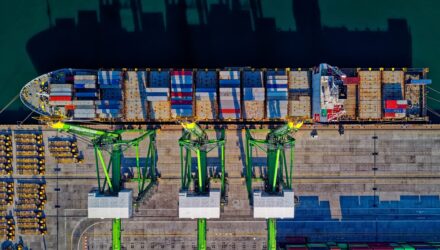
253,95
392,94
83,106
60,94
206,95
277,94
369,94
350,103
181,94
60,90
157,95
299,94
229,90
413,93
134,93
110,104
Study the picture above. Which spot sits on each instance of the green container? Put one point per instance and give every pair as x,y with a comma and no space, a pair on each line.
323,112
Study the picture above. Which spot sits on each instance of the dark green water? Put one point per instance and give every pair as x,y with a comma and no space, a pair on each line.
41,35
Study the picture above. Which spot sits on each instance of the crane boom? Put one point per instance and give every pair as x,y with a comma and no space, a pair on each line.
84,131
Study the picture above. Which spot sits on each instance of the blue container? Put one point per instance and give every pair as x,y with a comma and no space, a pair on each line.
276,92
276,86
182,79
84,81
233,83
159,79
183,112
206,90
395,110
252,79
183,98
181,106
277,98
109,81
114,106
108,110
420,81
276,72
181,85
206,78
84,72
183,90
107,102
156,93
104,86
86,94
79,86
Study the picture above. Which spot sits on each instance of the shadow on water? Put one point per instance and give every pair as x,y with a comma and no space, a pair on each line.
229,32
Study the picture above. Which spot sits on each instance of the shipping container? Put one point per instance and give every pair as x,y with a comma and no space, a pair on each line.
206,95
135,96
277,94
253,95
181,94
370,95
299,79
229,94
350,104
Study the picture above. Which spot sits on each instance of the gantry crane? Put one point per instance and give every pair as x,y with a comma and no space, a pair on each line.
203,202
277,199
113,143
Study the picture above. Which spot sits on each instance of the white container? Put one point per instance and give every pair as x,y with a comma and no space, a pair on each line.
229,75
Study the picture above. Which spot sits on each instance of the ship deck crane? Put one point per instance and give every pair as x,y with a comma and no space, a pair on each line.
195,204
113,143
276,200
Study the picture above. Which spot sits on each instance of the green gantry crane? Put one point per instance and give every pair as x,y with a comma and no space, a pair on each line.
113,143
195,139
278,176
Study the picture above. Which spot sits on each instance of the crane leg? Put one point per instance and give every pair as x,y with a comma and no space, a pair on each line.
116,234
201,234
271,234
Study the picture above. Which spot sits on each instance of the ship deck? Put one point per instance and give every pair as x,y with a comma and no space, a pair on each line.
32,92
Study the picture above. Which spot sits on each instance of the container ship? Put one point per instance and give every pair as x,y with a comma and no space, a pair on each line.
321,94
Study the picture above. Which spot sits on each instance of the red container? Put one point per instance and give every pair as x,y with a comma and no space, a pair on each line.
181,73
390,115
60,98
230,111
181,94
70,107
351,80
391,104
402,106
181,102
